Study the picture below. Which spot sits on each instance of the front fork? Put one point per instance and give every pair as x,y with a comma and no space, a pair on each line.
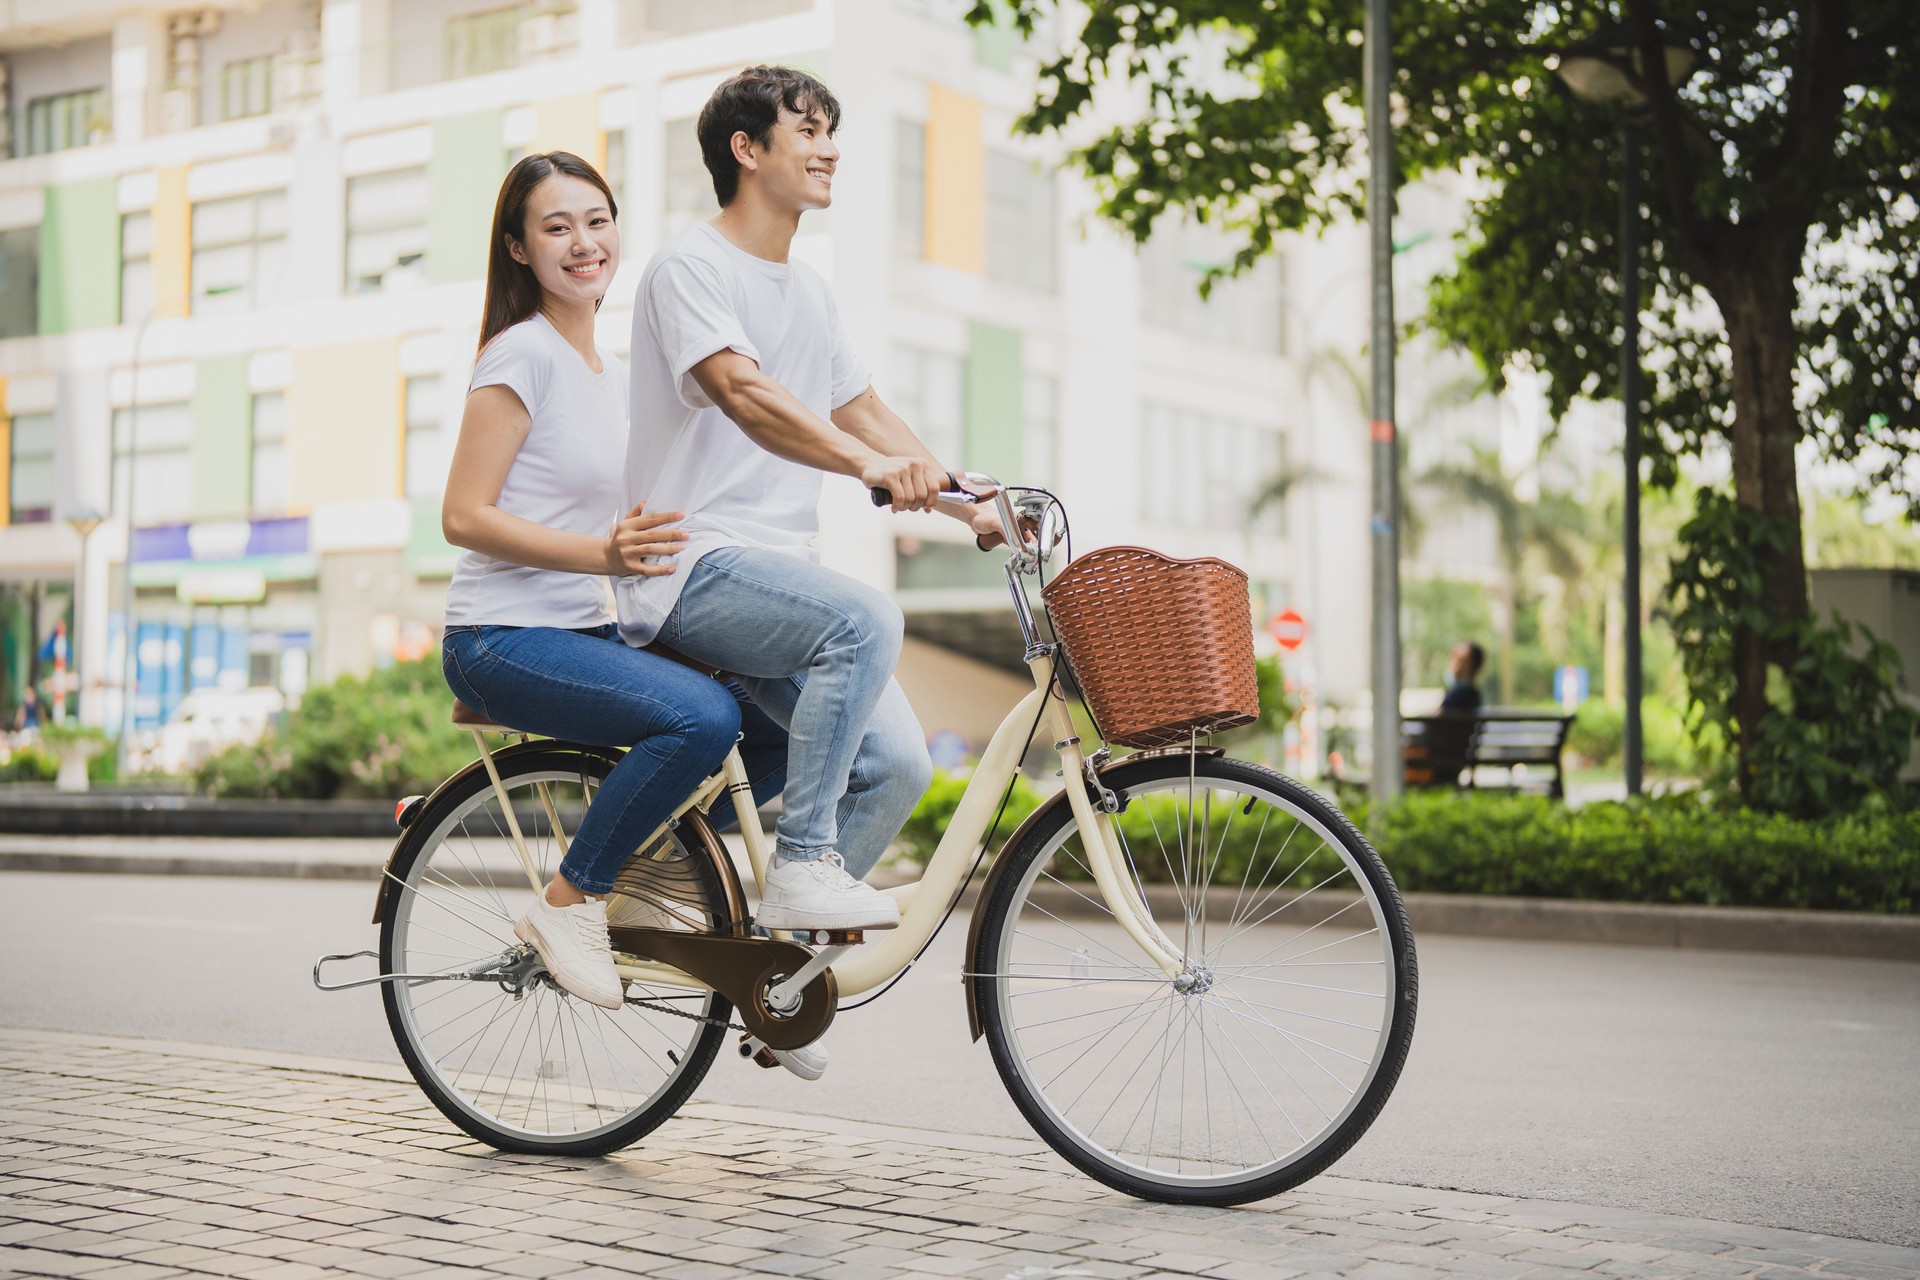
1102,843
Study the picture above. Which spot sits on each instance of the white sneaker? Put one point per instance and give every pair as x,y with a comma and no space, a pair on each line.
819,894
809,1061
572,942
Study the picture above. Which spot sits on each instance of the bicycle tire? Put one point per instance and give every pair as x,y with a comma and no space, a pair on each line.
467,899
1026,956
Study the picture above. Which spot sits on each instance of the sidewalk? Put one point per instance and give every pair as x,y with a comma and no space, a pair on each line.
1857,935
137,1160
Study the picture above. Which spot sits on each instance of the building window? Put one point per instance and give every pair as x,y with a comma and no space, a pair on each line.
663,19
64,120
687,187
239,251
267,485
616,170
929,395
387,230
246,88
1040,443
1201,471
426,458
136,267
30,473
1247,310
19,282
496,39
910,189
163,470
1021,222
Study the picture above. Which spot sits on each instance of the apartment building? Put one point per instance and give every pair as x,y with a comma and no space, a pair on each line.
241,250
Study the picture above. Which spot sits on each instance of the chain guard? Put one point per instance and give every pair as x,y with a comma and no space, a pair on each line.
743,970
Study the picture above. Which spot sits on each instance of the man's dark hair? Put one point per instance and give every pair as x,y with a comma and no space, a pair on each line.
751,103
1477,657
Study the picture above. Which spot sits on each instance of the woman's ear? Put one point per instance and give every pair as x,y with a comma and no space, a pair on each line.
518,254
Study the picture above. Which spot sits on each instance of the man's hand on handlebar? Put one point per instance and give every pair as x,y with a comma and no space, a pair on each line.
637,536
913,484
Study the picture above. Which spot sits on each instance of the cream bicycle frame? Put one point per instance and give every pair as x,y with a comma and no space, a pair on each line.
924,902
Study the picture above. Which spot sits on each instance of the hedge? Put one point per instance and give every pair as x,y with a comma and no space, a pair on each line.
1678,849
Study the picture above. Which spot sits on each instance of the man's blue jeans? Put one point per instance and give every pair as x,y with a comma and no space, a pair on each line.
588,686
816,650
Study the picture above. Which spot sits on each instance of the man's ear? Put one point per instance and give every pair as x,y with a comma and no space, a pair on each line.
743,149
518,254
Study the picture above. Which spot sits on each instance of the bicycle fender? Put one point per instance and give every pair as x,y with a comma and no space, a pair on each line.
504,754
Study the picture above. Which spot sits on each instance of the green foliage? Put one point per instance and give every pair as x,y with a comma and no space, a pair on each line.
385,735
1837,730
1667,746
1675,850
29,764
1839,536
921,836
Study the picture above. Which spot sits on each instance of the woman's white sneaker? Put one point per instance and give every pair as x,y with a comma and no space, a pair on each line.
572,942
819,894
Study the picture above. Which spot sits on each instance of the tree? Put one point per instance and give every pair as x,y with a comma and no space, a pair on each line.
1782,232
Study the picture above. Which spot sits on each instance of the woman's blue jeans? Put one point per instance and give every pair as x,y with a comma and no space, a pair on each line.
816,650
589,686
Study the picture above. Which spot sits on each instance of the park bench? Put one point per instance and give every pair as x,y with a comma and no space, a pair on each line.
1450,750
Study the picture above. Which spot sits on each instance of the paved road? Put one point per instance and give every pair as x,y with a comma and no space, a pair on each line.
1771,1090
123,1158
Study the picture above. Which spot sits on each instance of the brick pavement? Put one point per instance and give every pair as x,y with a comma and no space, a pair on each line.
133,1160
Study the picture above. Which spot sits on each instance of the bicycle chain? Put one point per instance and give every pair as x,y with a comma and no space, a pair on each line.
682,1013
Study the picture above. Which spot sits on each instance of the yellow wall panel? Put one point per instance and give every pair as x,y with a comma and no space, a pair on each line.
570,124
172,245
956,181
343,424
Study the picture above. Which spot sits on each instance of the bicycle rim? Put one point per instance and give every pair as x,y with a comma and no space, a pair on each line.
519,1063
1276,1046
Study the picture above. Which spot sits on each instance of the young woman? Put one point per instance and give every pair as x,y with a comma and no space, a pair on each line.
534,498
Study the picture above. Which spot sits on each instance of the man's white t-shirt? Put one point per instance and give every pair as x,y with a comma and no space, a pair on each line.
701,294
566,476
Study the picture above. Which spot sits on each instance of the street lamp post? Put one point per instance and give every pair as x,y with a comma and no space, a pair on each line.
130,634
83,521
1383,526
1610,74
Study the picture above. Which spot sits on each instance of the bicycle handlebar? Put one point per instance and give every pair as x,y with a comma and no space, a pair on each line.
954,492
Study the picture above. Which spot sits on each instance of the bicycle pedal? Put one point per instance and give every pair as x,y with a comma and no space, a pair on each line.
830,937
757,1053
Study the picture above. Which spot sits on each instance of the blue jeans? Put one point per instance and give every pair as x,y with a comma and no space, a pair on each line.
588,686
815,650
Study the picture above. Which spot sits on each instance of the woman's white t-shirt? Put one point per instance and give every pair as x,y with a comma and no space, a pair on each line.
566,476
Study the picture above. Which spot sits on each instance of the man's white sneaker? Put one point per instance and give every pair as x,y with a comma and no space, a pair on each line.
819,894
572,942
809,1061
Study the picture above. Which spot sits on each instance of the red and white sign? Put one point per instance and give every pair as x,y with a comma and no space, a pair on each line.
1288,629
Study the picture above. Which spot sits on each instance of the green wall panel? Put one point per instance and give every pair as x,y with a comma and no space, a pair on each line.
429,554
80,256
222,438
994,42
995,407
463,178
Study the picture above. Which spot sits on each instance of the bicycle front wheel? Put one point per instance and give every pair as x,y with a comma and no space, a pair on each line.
1276,1045
500,1049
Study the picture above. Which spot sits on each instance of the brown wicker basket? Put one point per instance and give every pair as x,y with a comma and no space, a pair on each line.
1161,647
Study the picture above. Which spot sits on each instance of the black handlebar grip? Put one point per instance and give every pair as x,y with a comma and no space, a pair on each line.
884,498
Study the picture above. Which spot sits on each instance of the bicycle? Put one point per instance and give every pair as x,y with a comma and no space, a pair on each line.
1230,1054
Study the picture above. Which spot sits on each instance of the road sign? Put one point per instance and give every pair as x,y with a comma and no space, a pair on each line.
1288,629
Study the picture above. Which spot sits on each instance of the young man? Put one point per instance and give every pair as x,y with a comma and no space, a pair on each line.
745,390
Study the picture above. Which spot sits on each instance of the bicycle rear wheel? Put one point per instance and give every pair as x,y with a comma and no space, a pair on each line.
1277,1045
499,1048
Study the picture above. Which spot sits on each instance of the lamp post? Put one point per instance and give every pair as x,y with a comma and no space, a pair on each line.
129,633
1610,73
83,521
1384,524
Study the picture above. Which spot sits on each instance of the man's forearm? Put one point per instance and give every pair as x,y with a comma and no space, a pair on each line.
773,419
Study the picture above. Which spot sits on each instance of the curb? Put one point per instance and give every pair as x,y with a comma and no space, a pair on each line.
1845,934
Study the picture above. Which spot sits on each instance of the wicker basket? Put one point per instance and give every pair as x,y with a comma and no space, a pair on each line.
1161,647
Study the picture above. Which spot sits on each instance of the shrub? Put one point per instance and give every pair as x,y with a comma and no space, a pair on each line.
1678,849
921,836
29,764
1598,735
384,735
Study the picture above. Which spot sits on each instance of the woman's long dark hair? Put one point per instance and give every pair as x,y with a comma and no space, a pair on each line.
513,293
